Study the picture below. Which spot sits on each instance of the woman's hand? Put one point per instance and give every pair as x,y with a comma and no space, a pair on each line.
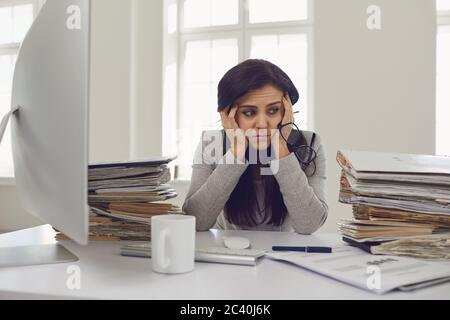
288,117
239,142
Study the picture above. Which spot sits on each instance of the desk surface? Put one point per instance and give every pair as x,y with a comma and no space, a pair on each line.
107,275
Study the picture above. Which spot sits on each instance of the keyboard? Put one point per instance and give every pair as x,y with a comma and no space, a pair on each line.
247,257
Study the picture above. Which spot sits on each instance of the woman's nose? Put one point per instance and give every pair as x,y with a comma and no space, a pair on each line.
261,122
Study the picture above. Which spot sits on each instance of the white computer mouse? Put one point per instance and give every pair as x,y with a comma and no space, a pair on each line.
236,242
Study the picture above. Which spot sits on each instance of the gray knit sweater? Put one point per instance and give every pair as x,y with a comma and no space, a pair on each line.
214,179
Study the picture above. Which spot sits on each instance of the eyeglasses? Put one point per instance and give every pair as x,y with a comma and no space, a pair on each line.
304,153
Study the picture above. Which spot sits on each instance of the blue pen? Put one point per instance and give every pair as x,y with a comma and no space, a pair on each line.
303,249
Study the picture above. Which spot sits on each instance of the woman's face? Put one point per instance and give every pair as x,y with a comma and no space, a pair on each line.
262,111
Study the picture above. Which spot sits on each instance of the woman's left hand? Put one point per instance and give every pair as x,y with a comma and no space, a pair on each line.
288,117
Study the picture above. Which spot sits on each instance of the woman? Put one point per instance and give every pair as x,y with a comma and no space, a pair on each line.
230,192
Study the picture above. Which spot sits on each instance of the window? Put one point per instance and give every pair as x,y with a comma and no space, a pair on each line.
16,17
212,37
443,79
443,5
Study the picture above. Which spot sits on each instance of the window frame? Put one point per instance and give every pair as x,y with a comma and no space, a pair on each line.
308,32
182,53
242,31
12,48
443,20
7,3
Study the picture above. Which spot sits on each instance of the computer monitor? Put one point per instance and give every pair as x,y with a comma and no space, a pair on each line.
50,126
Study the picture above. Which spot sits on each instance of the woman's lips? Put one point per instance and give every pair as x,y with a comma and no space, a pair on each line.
261,138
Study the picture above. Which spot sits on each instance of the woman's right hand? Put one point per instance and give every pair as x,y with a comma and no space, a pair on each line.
239,142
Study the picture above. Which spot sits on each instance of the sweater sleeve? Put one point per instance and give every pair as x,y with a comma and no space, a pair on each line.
211,187
304,197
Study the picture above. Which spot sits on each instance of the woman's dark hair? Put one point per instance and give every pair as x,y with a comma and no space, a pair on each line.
242,206
251,75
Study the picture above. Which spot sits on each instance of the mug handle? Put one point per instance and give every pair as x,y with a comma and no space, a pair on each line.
162,259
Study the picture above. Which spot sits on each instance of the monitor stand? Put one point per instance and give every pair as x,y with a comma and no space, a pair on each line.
31,247
5,121
35,255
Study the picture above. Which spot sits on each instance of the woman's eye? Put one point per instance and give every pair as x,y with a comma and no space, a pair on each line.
274,111
248,113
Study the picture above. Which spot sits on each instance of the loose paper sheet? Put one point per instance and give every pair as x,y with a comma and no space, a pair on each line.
378,274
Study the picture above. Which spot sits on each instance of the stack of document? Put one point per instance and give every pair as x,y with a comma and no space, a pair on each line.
437,247
394,196
124,196
111,229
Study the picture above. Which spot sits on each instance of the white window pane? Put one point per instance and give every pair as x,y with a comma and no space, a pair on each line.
301,119
6,72
196,104
6,161
443,5
170,109
205,64
443,94
224,12
196,13
172,16
206,13
265,47
290,53
197,67
208,60
214,120
23,17
224,56
193,119
293,54
261,11
6,25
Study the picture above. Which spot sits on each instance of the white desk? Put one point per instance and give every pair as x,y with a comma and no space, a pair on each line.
107,275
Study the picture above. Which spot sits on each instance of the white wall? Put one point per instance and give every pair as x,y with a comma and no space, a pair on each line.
126,77
110,80
373,90
147,75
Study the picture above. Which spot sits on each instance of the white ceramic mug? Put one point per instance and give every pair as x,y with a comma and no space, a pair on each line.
173,243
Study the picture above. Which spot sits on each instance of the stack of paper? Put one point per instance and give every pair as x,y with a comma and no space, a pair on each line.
111,229
437,247
123,197
394,196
